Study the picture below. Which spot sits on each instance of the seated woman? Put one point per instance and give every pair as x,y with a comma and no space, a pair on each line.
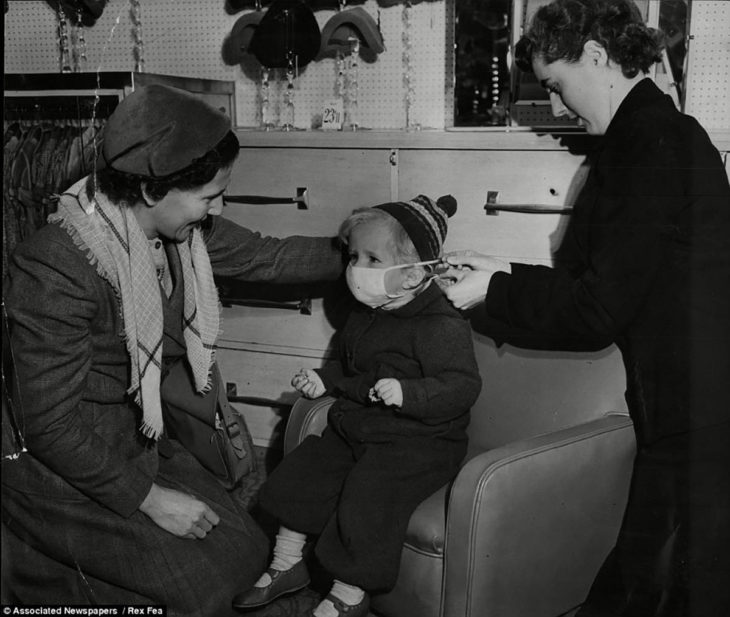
104,507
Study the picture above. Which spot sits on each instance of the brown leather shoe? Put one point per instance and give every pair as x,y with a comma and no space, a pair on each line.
282,582
347,610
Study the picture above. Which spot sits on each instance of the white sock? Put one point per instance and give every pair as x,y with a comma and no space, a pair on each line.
287,553
349,594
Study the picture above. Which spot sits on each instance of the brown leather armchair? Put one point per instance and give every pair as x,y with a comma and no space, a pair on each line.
536,507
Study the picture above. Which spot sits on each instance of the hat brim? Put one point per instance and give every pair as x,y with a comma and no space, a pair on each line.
237,43
355,22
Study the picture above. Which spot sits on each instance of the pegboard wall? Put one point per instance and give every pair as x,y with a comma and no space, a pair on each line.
708,64
185,37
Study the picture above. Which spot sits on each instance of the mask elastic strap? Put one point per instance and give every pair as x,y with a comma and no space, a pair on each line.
432,273
430,262
426,279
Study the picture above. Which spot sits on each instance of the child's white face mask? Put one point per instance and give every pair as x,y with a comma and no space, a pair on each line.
369,285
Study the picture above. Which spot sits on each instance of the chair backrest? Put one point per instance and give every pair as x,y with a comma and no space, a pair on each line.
527,393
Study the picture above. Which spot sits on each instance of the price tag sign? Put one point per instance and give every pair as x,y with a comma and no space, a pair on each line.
332,115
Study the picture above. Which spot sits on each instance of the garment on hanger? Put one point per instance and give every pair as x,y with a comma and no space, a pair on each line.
44,153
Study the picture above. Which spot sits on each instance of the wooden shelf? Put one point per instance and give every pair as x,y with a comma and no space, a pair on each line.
513,139
502,139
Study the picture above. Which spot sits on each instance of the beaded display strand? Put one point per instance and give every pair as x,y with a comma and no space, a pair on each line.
289,94
264,89
352,89
340,75
136,13
264,94
63,43
79,45
408,79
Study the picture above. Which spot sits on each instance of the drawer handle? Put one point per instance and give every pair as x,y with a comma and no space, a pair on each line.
233,397
493,208
258,401
528,209
301,199
304,306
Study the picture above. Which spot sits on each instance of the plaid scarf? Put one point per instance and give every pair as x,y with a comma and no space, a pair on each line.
118,248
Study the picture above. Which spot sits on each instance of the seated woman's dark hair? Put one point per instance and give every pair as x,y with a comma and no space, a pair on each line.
121,187
559,30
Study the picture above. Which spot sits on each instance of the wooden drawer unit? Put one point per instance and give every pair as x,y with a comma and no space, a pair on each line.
261,348
543,178
337,182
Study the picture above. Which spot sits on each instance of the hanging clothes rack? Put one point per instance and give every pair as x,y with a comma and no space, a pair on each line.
52,125
84,107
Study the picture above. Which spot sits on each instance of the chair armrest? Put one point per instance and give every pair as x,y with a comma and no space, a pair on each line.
307,417
530,523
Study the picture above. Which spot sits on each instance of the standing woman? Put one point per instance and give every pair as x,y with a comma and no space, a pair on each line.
104,508
645,264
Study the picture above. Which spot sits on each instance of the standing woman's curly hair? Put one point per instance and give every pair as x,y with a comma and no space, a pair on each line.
559,30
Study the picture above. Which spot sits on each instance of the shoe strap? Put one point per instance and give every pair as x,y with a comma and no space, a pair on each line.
341,607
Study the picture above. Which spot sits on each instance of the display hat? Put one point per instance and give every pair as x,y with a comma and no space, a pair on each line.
288,32
425,222
88,11
234,6
237,43
343,26
159,130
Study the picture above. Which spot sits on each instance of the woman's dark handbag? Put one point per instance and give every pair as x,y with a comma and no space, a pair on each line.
207,425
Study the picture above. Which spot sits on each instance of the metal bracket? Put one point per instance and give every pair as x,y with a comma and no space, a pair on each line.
492,197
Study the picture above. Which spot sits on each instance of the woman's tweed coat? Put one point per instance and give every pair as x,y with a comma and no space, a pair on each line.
73,531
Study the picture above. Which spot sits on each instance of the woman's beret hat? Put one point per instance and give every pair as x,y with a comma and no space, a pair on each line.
158,130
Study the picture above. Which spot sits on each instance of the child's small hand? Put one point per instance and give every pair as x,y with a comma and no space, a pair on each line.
389,391
308,383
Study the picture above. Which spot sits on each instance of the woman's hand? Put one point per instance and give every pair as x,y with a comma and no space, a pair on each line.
308,383
389,391
469,277
181,514
475,261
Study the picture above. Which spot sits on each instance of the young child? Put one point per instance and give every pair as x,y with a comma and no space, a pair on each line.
404,384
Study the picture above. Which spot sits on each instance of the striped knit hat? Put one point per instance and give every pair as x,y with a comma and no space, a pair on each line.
424,221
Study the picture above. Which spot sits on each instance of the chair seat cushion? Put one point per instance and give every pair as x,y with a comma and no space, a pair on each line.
426,527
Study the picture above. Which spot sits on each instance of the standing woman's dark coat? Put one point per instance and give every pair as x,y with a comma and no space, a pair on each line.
645,264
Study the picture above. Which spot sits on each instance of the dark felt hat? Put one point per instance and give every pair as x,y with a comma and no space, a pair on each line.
87,10
159,130
287,32
425,222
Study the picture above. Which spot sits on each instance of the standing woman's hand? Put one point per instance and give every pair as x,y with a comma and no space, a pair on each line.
469,275
179,513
